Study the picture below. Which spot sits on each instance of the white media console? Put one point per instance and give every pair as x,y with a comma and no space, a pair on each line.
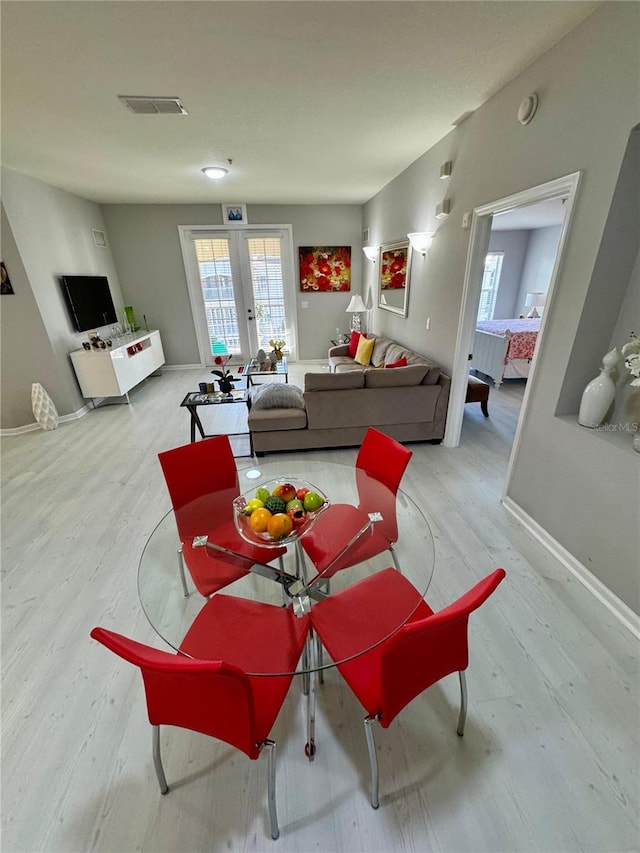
112,372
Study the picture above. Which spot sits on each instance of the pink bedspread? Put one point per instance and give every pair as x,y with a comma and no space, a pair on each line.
522,334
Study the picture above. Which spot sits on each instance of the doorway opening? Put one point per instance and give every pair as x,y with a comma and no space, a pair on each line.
489,222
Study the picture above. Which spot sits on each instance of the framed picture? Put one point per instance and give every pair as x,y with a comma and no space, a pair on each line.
393,285
234,214
325,269
6,288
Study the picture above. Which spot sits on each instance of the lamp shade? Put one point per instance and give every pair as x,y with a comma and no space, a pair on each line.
535,300
356,304
371,252
420,241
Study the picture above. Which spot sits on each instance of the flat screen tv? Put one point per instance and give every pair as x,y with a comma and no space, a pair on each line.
89,301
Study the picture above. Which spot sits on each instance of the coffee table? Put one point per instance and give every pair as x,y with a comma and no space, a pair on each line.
252,370
194,399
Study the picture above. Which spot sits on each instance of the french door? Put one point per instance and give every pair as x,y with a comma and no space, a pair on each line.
241,289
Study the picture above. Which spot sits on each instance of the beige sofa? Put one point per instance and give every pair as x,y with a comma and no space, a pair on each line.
408,403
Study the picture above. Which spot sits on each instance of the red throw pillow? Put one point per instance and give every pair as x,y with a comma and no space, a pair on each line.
401,362
353,344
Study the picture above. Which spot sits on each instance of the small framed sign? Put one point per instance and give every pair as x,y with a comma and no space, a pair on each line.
234,214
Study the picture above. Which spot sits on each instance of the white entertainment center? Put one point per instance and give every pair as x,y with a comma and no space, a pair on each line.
113,371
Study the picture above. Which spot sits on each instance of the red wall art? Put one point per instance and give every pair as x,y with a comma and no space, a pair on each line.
325,269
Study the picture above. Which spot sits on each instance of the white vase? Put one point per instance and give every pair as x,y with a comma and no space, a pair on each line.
599,394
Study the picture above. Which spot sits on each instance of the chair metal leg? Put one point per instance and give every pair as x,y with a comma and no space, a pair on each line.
185,588
157,760
463,702
319,659
271,788
310,746
305,668
395,559
373,760
285,600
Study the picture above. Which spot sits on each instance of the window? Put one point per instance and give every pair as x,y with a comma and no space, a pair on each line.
490,285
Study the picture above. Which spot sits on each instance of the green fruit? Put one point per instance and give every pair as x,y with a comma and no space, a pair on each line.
295,504
313,501
262,494
275,505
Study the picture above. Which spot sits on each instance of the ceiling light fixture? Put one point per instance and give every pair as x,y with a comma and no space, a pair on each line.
216,173
420,241
371,253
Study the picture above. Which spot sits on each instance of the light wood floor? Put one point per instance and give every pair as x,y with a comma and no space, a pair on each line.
549,761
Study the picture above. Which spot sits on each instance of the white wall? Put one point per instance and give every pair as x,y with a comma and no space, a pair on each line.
583,490
538,265
52,234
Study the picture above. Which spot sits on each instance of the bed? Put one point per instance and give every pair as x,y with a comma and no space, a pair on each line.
503,349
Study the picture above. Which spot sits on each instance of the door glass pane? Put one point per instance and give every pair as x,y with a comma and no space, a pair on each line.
265,265
216,281
490,284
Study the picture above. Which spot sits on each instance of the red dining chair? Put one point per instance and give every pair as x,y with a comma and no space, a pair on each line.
380,465
202,480
407,661
213,694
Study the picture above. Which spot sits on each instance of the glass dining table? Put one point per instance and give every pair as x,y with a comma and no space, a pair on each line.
362,528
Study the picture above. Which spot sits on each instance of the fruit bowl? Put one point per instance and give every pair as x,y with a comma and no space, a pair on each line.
274,499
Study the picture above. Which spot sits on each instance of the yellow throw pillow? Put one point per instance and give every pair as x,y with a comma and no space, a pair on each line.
365,349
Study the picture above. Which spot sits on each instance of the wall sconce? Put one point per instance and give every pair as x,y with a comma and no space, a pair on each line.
371,253
355,307
445,170
533,301
443,209
420,241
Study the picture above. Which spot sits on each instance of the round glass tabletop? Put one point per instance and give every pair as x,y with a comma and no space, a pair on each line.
365,528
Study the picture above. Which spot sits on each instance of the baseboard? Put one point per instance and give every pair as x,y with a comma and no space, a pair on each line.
63,419
623,613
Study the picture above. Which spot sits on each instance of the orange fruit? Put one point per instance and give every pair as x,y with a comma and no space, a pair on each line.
279,525
259,519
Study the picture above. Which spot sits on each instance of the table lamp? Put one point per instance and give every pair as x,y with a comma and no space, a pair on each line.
534,301
355,307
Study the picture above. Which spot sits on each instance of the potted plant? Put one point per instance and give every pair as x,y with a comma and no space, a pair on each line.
225,381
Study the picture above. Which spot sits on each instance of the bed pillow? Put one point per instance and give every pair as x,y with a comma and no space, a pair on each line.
401,362
353,344
276,395
365,348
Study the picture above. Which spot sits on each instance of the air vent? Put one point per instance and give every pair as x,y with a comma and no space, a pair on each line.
145,105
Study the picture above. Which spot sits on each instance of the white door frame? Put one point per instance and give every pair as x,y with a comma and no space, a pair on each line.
565,187
195,294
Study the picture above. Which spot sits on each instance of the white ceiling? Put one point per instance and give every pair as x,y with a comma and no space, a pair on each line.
530,217
315,102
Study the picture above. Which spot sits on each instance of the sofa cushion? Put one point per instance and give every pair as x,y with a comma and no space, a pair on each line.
379,350
334,381
401,362
268,420
353,344
365,349
275,395
412,374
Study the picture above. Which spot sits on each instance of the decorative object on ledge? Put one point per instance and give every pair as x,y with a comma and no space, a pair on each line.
356,307
599,394
371,253
234,214
443,209
44,410
631,355
534,301
325,268
420,241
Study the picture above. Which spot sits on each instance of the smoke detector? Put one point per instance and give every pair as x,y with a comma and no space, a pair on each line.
146,105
